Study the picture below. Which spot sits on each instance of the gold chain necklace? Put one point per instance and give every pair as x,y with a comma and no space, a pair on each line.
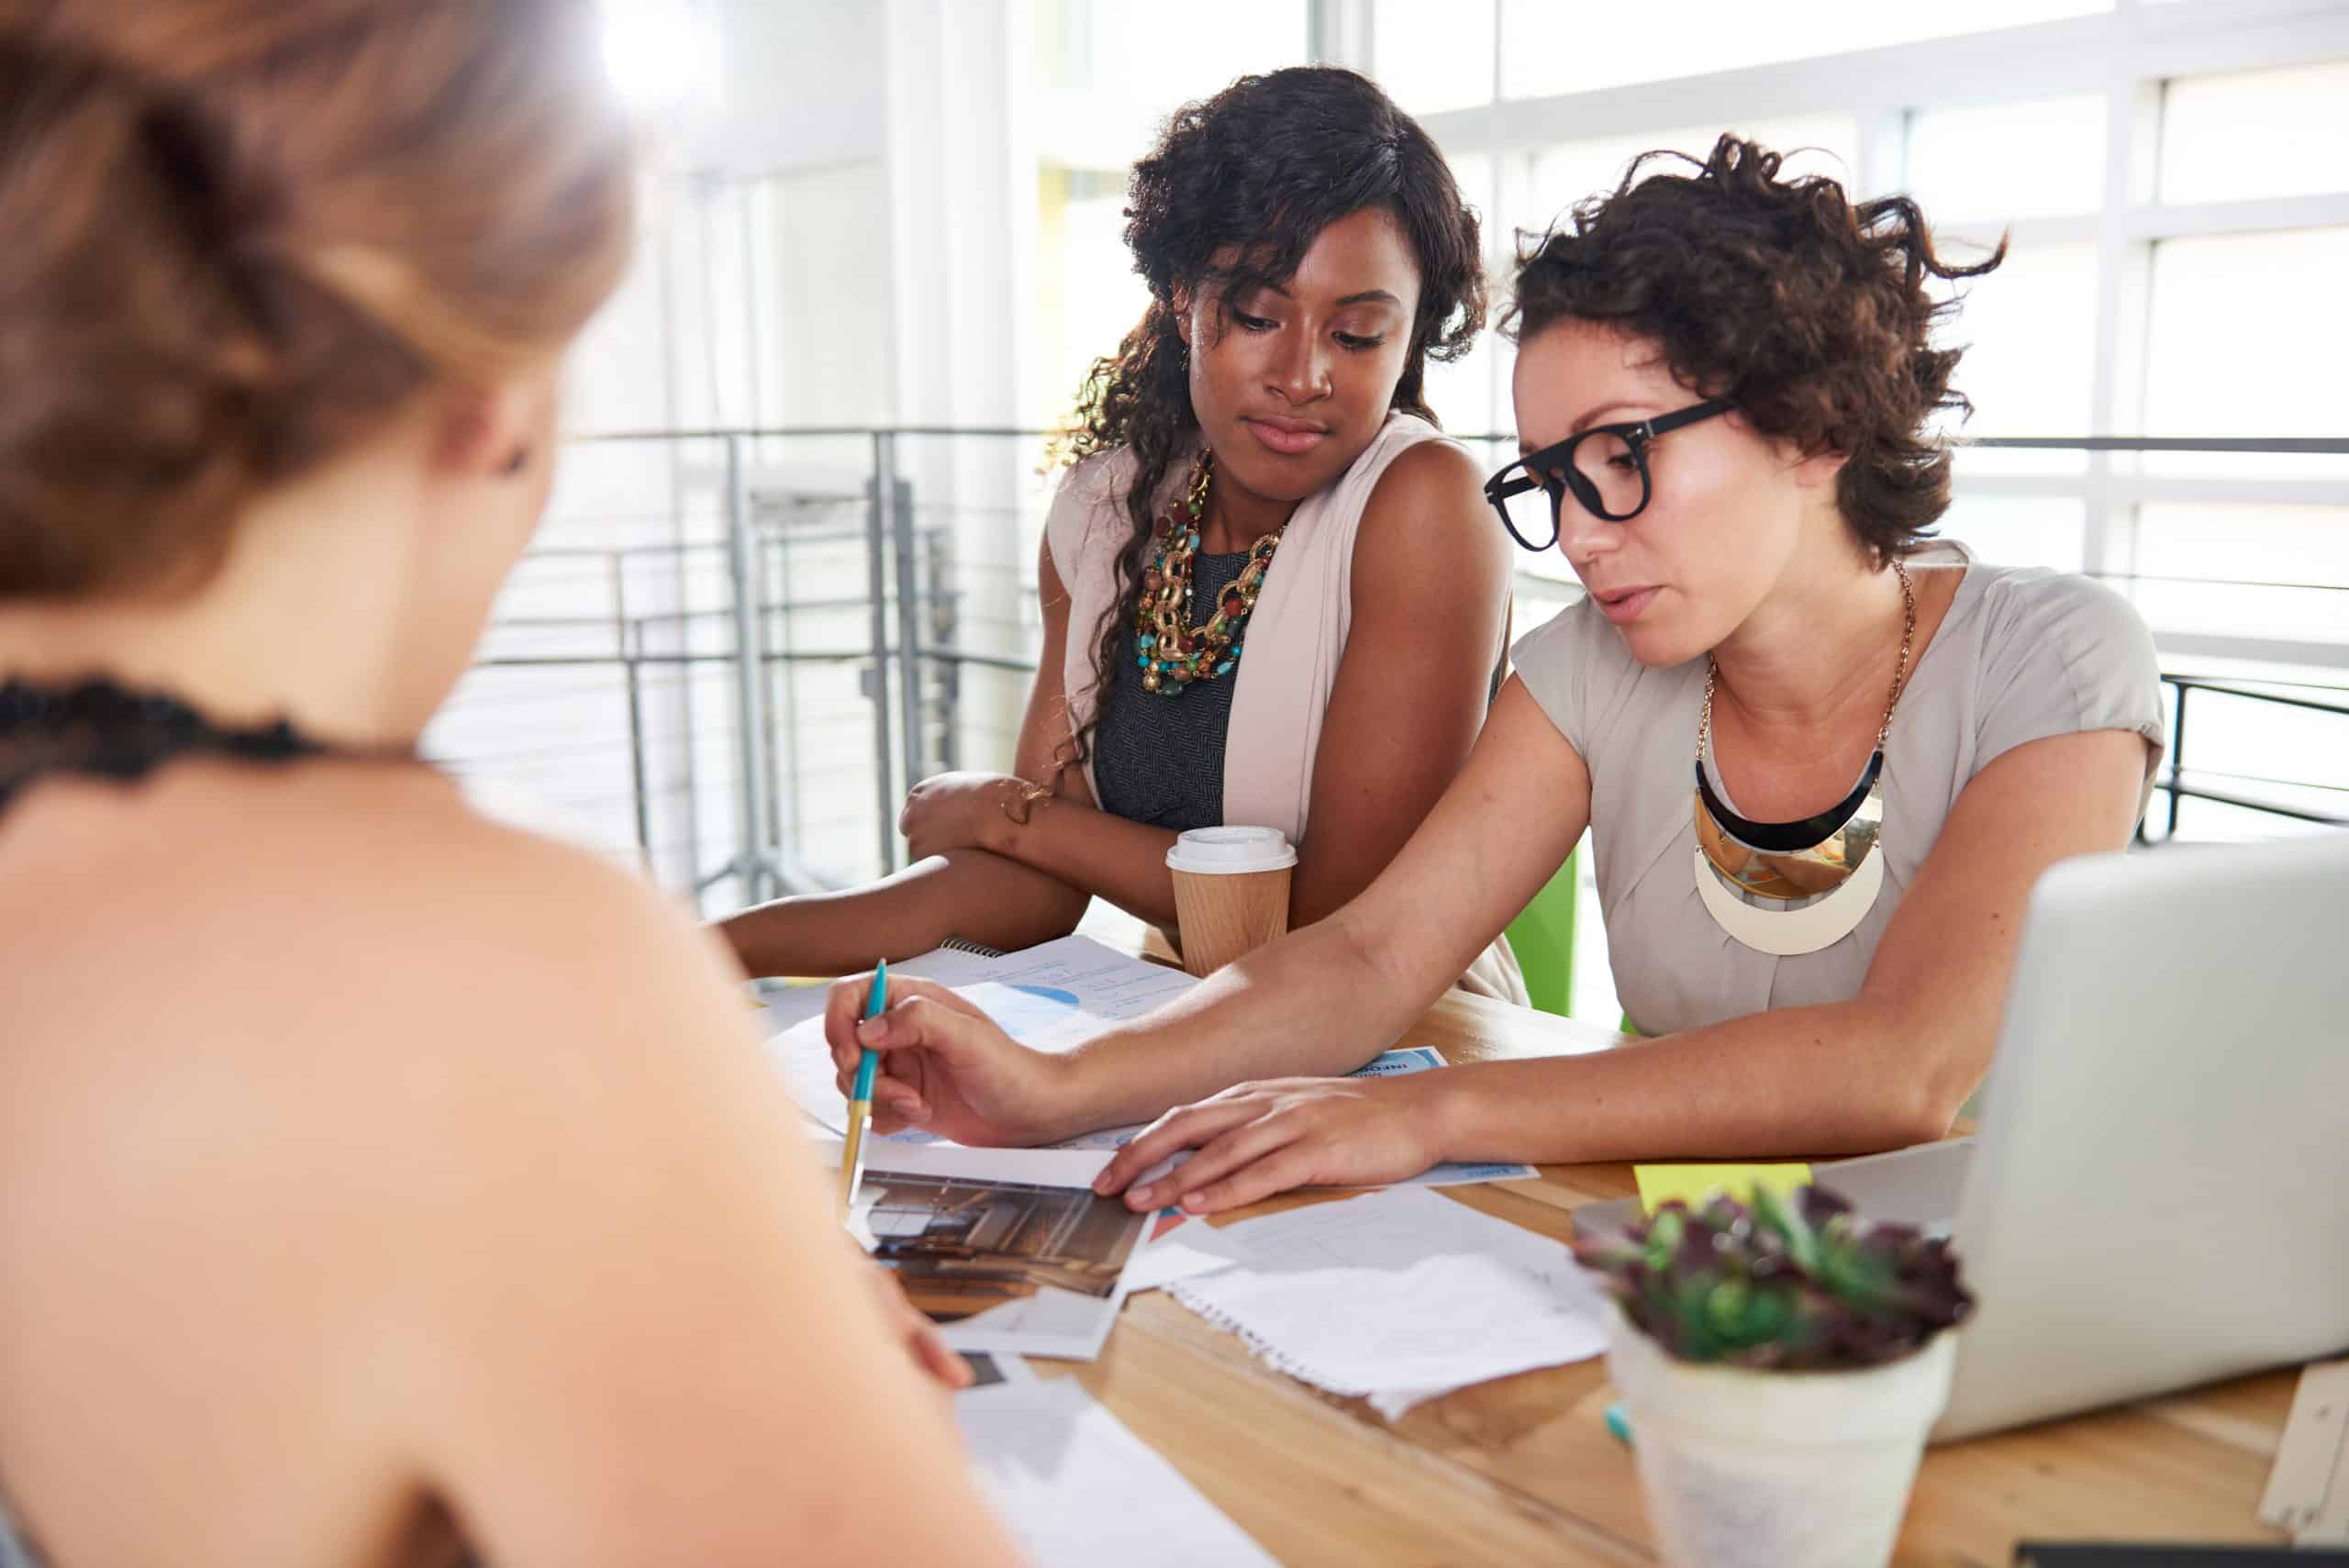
1899,670
1172,653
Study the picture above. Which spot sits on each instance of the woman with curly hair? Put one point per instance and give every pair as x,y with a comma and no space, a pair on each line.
1822,756
1271,593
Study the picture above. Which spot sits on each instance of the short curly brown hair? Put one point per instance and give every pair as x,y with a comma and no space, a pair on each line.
1810,312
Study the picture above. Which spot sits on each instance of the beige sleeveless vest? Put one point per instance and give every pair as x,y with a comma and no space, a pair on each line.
1296,639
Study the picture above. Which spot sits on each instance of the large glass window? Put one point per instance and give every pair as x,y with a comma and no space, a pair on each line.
1136,65
2023,530
2246,337
1557,177
1549,46
1087,293
1469,394
1434,57
2235,136
2234,567
1990,163
2028,332
1110,73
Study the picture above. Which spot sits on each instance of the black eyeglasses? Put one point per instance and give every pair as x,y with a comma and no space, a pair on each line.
1605,466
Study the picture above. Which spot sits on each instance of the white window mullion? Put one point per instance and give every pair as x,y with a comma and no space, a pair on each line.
1500,27
1338,32
2123,267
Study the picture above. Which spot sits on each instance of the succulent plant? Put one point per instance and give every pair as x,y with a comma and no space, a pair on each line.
1797,1283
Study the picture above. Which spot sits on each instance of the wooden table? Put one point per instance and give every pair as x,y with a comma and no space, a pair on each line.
1523,1469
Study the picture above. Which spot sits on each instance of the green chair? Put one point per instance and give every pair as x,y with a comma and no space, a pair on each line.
1543,936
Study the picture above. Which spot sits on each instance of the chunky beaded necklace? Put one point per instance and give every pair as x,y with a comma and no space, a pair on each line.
1172,653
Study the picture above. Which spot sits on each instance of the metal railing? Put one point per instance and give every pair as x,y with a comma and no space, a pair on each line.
743,523
2174,781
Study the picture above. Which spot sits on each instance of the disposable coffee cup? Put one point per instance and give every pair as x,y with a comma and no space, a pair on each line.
1231,891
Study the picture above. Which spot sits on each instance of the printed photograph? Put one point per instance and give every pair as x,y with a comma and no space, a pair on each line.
961,1248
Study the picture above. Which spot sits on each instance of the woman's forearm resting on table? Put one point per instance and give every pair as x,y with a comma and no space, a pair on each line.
1803,1082
1103,854
969,893
1849,1078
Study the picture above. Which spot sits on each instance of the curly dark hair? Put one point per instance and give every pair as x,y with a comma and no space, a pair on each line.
1810,312
1259,170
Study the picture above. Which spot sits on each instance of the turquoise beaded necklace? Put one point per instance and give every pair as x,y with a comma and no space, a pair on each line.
1173,654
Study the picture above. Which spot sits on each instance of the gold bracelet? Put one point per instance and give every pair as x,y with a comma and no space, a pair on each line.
1027,800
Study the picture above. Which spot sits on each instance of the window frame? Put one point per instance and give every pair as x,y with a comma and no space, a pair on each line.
2129,55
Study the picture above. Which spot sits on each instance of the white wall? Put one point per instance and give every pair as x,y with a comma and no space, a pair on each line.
761,295
801,84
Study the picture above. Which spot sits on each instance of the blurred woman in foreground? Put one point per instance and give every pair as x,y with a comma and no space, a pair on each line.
377,1184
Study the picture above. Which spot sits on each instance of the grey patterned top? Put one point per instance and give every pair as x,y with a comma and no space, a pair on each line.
1159,759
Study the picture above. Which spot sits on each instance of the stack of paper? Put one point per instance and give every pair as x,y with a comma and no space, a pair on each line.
1169,1255
1075,971
1400,1296
1078,1489
1008,1248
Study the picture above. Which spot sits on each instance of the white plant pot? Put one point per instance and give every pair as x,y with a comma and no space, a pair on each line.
1777,1469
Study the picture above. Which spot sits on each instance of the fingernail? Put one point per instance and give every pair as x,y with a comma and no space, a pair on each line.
1139,1198
1194,1203
1101,1184
868,1028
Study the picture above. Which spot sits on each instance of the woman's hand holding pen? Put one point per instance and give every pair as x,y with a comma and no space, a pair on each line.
947,1069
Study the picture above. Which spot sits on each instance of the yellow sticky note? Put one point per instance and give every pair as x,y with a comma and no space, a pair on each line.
1695,1184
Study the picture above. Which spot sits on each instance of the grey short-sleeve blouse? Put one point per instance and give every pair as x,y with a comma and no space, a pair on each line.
2023,653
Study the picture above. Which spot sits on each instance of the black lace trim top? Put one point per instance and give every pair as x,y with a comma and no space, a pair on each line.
99,729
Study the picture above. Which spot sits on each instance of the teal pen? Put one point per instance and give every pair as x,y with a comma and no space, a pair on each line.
860,1104
1620,1423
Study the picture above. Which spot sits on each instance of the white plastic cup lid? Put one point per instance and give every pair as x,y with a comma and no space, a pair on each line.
1228,851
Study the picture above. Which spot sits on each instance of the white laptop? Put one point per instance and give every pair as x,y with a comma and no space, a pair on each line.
2159,1194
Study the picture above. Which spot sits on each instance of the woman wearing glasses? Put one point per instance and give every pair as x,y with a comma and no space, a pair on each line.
1823,757
1271,593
